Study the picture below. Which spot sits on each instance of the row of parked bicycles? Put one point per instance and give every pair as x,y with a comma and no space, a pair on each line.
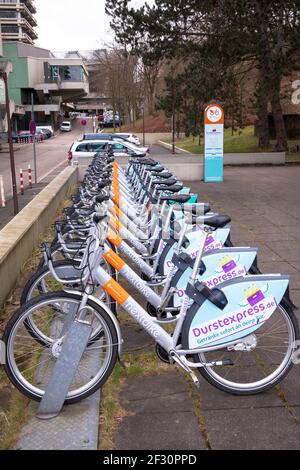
205,302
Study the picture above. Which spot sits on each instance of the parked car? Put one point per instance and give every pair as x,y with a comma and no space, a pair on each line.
47,129
39,135
66,126
101,136
117,138
84,149
125,149
130,137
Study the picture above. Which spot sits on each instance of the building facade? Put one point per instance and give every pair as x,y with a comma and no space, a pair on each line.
18,21
53,84
96,101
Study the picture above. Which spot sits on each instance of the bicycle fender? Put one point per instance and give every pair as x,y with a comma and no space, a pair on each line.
251,302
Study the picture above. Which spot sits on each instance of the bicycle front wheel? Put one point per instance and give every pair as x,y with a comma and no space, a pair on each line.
266,362
29,363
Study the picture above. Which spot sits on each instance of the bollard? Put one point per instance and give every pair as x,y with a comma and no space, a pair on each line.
21,182
29,176
3,202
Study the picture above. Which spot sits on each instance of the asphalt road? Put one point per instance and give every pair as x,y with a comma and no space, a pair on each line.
50,154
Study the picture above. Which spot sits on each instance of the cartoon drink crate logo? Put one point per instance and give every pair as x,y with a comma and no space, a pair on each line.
212,244
227,264
254,295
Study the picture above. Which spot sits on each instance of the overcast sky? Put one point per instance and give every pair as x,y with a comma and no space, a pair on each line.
65,25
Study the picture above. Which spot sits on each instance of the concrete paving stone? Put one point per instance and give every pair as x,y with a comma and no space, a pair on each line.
283,244
214,399
256,429
296,412
296,265
295,296
291,385
288,254
160,417
164,392
267,254
160,431
276,237
154,386
295,281
267,229
277,266
282,220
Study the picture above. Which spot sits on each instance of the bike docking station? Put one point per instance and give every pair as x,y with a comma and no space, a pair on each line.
214,144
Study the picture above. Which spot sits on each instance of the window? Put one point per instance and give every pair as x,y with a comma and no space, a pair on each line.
8,14
10,29
91,147
119,147
73,73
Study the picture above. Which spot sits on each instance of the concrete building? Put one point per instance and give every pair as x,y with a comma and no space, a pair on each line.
55,83
18,21
96,101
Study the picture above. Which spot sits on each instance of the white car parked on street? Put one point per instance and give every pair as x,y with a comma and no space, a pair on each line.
66,126
130,137
89,148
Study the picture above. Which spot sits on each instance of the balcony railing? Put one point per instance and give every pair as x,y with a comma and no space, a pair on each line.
20,23
20,7
23,37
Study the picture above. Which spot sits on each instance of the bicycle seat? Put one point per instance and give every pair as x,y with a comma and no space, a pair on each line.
166,182
166,175
195,209
181,198
216,221
171,189
101,199
103,184
159,169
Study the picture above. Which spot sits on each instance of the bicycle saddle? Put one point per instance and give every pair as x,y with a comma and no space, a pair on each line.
216,221
171,189
166,182
103,184
101,199
181,198
166,175
197,209
159,169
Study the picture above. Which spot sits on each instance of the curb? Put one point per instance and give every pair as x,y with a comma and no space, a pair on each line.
164,144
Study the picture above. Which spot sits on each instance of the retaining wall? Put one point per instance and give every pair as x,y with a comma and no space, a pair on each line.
240,159
21,236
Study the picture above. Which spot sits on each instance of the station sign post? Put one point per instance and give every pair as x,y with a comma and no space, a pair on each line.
214,144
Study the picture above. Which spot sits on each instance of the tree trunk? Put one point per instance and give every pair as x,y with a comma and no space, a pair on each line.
263,130
281,135
263,122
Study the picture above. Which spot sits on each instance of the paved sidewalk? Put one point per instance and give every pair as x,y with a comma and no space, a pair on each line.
163,411
7,213
265,211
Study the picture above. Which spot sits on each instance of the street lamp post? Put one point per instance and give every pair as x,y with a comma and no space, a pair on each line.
33,138
3,75
143,110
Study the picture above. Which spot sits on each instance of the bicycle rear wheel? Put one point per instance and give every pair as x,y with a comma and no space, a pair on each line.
29,363
261,368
